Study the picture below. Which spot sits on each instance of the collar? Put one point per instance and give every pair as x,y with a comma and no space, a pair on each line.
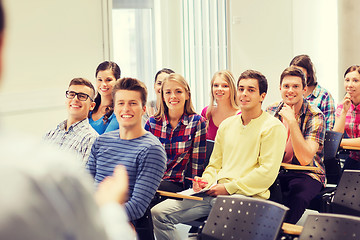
316,91
304,107
63,124
185,119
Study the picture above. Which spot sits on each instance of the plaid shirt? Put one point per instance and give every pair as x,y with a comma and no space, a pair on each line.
79,138
312,125
352,125
323,100
184,145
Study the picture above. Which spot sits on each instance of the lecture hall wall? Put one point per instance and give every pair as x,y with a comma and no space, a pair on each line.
50,42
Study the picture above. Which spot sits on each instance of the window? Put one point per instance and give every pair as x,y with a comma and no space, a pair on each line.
133,39
204,44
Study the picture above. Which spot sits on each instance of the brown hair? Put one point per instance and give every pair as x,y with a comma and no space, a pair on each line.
352,69
262,81
84,82
304,61
106,65
293,71
131,84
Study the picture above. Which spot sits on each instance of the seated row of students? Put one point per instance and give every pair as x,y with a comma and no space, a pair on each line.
171,105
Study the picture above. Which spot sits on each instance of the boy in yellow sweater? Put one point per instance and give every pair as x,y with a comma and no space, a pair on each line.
246,159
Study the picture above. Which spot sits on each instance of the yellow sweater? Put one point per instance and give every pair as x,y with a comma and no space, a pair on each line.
246,159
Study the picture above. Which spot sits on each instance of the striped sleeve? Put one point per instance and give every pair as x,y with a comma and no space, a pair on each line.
150,171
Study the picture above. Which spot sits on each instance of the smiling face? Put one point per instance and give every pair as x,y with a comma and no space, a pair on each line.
249,94
292,90
352,84
220,89
128,108
79,110
174,96
105,81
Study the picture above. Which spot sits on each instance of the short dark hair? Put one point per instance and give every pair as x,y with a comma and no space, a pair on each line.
2,17
262,81
109,65
304,61
293,71
352,69
131,84
164,70
85,82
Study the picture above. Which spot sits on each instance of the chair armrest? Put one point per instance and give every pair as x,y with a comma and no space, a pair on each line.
292,229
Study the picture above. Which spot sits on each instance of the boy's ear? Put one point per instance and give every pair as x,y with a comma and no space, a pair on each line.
263,95
92,106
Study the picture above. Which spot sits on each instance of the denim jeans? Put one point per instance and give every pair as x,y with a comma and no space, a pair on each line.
171,212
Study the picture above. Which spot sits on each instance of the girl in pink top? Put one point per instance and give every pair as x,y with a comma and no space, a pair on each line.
223,103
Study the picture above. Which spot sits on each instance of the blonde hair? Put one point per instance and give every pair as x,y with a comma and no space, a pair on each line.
229,78
163,109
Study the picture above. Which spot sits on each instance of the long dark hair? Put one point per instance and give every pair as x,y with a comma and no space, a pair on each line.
304,61
115,69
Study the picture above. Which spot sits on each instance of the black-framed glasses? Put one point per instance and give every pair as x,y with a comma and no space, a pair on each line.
80,96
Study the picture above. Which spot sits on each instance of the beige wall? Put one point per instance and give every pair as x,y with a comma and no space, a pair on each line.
349,38
170,35
261,39
48,43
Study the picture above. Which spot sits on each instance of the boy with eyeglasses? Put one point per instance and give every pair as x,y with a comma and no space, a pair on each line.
75,133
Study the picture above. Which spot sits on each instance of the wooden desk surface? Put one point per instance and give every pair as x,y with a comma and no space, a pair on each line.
298,167
351,148
177,195
292,228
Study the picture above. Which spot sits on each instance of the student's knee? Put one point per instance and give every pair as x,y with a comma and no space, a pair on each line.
159,213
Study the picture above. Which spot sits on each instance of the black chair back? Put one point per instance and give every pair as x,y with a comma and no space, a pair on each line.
347,196
331,227
331,161
209,149
188,171
239,217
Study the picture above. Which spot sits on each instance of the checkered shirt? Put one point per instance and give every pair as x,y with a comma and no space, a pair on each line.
352,125
323,100
185,145
312,125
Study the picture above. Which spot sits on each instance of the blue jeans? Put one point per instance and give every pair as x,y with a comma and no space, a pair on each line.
170,212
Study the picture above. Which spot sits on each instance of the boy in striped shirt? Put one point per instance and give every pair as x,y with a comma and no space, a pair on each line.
138,150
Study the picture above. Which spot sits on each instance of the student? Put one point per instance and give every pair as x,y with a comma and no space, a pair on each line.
223,102
181,131
246,159
348,116
75,133
305,125
102,118
138,150
159,78
45,195
315,94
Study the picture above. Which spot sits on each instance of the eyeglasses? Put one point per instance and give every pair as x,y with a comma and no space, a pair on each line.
80,96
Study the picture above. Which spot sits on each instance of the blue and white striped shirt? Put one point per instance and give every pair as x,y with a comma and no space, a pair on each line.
145,162
79,138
